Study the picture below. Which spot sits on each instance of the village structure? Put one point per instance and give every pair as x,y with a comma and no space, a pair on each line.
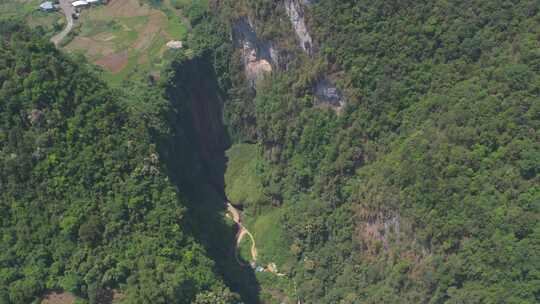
50,6
72,10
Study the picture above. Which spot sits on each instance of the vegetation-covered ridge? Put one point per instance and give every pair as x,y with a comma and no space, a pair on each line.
425,189
86,201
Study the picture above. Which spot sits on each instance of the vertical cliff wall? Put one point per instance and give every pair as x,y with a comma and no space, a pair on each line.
258,56
295,11
195,92
325,91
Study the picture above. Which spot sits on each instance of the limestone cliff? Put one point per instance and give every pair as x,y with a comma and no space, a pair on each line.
295,11
325,91
258,56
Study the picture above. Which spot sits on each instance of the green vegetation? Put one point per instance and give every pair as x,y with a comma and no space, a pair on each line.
243,184
425,188
129,42
245,249
86,201
28,10
269,234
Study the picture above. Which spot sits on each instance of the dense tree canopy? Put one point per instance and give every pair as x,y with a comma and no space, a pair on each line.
427,182
85,204
423,188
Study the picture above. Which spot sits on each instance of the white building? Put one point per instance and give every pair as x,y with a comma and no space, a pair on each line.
47,6
79,3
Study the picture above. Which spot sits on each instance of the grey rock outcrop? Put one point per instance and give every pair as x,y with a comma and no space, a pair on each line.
295,11
258,56
327,93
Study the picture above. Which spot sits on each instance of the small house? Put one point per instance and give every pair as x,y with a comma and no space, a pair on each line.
79,3
47,6
174,44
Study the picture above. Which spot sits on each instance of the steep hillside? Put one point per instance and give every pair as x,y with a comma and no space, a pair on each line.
87,203
381,152
421,185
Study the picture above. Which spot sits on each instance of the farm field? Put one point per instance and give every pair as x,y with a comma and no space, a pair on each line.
28,11
125,37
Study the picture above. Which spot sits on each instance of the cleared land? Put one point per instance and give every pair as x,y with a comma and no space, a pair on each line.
125,36
59,298
28,11
243,186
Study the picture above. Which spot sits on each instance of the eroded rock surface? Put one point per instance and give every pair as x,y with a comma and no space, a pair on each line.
327,93
295,11
258,56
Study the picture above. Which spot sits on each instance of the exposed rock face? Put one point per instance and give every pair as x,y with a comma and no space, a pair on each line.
325,92
295,11
328,94
258,56
261,57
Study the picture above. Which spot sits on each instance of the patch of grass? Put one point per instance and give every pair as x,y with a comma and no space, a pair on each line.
245,249
175,27
155,49
243,184
134,22
124,39
92,27
272,246
18,9
118,78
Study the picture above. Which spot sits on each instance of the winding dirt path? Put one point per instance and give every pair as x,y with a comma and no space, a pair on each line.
242,232
68,12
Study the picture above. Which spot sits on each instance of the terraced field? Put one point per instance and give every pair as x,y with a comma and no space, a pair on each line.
125,37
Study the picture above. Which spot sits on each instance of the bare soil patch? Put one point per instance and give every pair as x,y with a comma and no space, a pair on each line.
59,298
92,47
114,62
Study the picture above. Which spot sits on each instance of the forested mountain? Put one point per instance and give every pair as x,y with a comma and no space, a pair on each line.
382,152
87,202
424,188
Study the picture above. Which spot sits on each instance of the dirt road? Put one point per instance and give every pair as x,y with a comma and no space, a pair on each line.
242,232
68,10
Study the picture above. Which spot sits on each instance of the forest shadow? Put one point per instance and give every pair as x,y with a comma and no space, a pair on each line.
195,161
205,220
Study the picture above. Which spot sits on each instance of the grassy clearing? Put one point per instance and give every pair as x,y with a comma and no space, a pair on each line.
245,249
272,244
118,78
175,27
243,183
